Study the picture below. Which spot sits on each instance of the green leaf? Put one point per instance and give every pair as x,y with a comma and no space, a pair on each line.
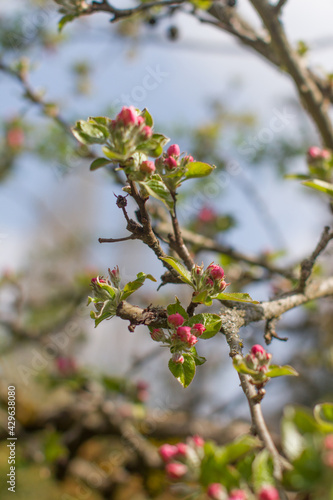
240,365
238,297
212,323
279,371
53,447
301,177
262,470
148,118
98,163
156,188
107,311
90,133
323,413
200,298
199,360
241,446
132,286
113,155
319,185
181,270
198,169
64,20
292,441
185,372
177,308
202,4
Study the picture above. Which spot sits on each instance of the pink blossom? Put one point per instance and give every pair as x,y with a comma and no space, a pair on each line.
269,493
314,152
238,495
188,159
184,333
215,491
178,358
257,349
15,137
206,214
173,150
192,340
128,115
198,441
175,470
223,285
167,452
182,449
157,335
147,132
140,120
148,167
325,154
198,329
216,272
171,162
328,442
175,319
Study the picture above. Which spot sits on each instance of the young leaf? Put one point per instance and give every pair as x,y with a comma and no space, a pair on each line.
112,155
156,188
199,360
238,297
324,415
319,185
185,372
132,286
177,308
98,163
181,270
262,470
241,366
198,169
279,371
64,20
212,323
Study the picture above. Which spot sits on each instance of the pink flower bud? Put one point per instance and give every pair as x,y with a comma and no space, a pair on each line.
269,493
209,282
178,358
173,150
140,120
314,152
176,319
325,154
147,132
147,167
207,214
15,138
101,280
238,495
257,349
184,333
167,452
142,396
328,442
170,162
65,365
157,335
215,491
216,272
192,340
198,441
182,449
128,116
188,159
263,369
198,269
223,285
175,470
198,329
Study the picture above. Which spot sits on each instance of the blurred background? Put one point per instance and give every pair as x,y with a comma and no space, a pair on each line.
221,103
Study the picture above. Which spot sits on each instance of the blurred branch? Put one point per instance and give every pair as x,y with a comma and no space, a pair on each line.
309,93
105,6
278,7
307,264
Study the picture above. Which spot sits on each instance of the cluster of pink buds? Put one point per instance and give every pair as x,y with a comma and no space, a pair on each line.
171,160
115,276
183,459
315,153
217,491
210,280
258,360
130,119
179,336
147,167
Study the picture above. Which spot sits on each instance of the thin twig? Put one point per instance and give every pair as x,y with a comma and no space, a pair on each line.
307,264
278,7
